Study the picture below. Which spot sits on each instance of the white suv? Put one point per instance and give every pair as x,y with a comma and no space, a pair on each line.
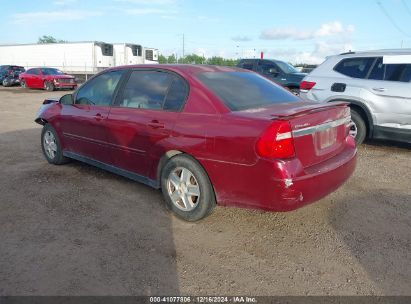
377,86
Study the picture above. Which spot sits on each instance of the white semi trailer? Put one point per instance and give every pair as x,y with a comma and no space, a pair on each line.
127,53
72,57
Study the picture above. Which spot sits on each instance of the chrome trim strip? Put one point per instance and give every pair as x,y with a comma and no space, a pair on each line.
282,136
322,127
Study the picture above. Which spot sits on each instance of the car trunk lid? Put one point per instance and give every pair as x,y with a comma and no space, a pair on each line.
318,131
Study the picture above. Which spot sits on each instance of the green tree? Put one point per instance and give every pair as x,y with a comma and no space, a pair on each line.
162,59
49,39
216,60
193,59
171,59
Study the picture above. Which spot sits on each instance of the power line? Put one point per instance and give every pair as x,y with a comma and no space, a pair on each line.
390,18
406,6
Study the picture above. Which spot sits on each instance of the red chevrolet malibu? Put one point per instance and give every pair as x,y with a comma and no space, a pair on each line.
47,78
205,135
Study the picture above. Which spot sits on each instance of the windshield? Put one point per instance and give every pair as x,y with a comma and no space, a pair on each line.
51,71
286,67
242,90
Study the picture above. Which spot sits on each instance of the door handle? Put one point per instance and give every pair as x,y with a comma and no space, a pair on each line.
98,117
155,124
379,89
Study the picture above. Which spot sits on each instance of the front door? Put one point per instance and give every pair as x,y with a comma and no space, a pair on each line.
84,123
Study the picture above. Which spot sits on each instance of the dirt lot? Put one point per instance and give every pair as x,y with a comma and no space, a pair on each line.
77,230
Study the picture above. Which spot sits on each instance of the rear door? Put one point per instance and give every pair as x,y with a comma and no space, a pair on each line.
143,117
83,124
389,94
30,78
37,79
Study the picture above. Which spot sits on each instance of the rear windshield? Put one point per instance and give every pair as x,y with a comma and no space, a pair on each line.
242,91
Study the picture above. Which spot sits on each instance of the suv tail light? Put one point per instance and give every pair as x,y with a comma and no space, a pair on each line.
276,141
307,85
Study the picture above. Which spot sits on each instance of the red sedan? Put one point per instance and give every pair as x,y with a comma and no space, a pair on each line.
47,78
205,135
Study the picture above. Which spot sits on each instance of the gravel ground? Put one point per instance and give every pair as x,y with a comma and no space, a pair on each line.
77,230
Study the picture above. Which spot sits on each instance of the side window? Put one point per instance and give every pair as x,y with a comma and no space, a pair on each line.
406,74
99,90
34,72
176,95
377,72
394,72
355,67
247,64
266,66
145,89
390,72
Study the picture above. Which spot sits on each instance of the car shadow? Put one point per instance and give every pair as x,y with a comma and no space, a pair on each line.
383,250
78,230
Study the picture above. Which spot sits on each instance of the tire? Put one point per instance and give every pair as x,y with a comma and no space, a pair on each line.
48,86
23,84
358,129
182,176
5,82
51,146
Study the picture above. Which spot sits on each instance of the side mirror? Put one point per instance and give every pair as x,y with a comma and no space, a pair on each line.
67,99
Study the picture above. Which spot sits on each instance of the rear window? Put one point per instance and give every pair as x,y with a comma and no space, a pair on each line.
355,67
241,90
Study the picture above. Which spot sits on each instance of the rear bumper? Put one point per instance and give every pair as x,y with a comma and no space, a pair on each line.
321,180
280,185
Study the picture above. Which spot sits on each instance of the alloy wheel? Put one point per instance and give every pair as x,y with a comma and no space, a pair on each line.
49,144
353,129
183,189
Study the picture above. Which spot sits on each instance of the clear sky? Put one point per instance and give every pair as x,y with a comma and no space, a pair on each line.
297,31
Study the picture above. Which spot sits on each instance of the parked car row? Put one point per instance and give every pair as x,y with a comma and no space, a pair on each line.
45,78
375,84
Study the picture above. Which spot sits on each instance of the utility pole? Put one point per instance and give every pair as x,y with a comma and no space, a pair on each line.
183,46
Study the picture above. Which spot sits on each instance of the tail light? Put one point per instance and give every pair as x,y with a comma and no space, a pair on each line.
276,141
307,85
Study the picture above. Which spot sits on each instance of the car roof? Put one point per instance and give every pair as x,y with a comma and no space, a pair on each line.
185,68
375,53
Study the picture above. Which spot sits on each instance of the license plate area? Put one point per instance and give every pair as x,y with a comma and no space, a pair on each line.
327,138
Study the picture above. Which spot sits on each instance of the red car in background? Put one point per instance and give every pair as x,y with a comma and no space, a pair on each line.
205,135
47,78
